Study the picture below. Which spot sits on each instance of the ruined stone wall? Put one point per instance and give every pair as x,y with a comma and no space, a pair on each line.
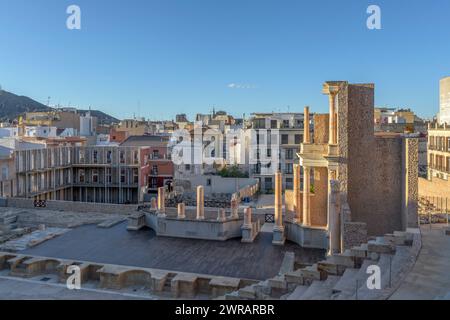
410,174
321,128
376,175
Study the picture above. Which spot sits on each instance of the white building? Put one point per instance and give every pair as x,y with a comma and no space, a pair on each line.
88,125
444,101
40,132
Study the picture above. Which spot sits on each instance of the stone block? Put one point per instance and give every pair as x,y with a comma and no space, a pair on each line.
223,285
184,285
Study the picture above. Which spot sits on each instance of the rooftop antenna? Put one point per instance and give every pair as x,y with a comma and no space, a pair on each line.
48,101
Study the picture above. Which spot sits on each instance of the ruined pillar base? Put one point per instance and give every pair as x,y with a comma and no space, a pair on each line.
162,215
278,236
248,236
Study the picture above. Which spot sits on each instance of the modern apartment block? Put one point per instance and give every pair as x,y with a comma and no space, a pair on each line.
288,129
439,151
87,174
159,160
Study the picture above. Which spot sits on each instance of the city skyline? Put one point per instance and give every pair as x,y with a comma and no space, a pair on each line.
159,59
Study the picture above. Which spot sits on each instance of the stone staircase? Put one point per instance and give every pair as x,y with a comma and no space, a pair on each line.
342,276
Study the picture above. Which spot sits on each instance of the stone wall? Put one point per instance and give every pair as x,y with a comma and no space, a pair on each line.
321,128
319,201
74,206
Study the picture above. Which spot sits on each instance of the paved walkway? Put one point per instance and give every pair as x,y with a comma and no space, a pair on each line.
430,277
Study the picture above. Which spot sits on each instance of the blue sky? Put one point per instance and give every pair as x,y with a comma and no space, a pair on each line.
159,58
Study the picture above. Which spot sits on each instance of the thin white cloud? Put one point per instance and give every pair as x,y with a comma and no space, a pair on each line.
241,86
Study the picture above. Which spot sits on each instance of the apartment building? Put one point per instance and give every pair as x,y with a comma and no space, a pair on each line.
159,161
104,174
275,132
439,151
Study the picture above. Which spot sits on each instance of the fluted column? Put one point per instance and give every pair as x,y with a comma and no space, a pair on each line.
200,203
332,120
278,201
162,200
306,133
248,217
297,195
234,208
278,229
221,215
306,195
334,227
181,211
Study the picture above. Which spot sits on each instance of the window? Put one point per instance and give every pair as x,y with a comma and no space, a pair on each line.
289,183
154,170
136,157
289,154
208,182
95,176
268,183
259,123
298,138
5,173
95,156
187,167
109,156
288,168
155,154
81,176
108,175
273,124
269,153
285,123
81,153
284,139
448,144
122,156
135,176
122,175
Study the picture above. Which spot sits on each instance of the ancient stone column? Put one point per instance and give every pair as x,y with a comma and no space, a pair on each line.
306,133
334,226
162,200
200,203
278,229
332,119
234,209
221,216
306,196
248,217
278,200
153,204
181,211
297,195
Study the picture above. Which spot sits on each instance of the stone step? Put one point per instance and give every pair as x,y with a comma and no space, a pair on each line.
247,292
298,292
336,264
347,283
348,291
360,251
380,245
287,265
364,293
320,290
312,273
